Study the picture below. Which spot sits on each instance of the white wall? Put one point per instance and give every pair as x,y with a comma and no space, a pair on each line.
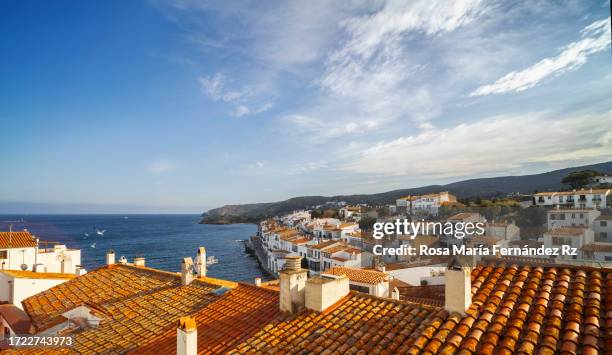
413,275
24,288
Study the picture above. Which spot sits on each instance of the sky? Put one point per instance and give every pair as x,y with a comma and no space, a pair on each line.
182,106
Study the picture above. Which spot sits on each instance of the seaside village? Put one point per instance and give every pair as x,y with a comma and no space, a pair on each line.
329,293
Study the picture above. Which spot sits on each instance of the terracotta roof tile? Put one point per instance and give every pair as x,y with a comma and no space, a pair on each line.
359,275
21,239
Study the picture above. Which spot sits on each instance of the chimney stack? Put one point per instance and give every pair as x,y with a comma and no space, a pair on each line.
79,270
201,262
258,281
110,257
292,285
322,292
139,261
457,288
187,337
186,273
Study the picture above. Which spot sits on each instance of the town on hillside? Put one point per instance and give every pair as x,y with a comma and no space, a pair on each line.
331,293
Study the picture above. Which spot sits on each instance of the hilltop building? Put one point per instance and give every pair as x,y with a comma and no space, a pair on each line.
427,204
581,199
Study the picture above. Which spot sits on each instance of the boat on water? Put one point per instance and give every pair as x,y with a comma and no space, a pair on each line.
211,260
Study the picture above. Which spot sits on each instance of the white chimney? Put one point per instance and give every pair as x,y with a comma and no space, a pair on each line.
200,262
292,285
187,337
258,281
139,262
322,292
186,271
395,294
457,288
110,257
79,270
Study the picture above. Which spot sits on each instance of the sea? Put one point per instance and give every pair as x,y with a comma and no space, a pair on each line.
163,240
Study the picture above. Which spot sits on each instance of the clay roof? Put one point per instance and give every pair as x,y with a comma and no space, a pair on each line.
527,310
19,274
515,309
224,324
135,304
430,294
597,247
358,322
604,217
21,239
462,216
359,275
16,318
569,231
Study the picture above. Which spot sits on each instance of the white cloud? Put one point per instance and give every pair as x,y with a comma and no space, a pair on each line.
160,166
497,144
366,81
243,110
595,38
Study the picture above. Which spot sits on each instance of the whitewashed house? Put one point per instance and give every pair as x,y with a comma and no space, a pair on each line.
571,217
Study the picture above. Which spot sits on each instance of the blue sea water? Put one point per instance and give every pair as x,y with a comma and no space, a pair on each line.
163,240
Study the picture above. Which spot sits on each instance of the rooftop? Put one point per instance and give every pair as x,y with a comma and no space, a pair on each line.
19,274
22,239
571,231
367,276
515,309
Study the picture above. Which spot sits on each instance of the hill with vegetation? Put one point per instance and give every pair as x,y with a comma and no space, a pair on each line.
495,187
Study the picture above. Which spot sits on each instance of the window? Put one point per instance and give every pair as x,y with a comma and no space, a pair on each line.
603,223
560,198
608,258
359,288
552,216
603,235
573,215
3,254
582,215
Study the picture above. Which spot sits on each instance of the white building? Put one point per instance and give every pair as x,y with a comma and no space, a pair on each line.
575,237
603,179
351,212
598,251
602,226
372,282
21,251
585,198
325,255
571,217
503,230
427,204
17,285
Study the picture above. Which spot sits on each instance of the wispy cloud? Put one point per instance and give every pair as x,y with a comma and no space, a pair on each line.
365,82
495,144
595,38
245,100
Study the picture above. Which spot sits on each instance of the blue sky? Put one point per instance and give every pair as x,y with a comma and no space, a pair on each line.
175,106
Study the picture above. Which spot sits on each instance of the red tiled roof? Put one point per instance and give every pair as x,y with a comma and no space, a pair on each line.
224,324
21,239
528,310
16,318
358,275
135,303
566,231
598,247
358,322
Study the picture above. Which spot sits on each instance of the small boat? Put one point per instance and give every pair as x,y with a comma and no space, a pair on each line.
100,232
211,260
93,245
